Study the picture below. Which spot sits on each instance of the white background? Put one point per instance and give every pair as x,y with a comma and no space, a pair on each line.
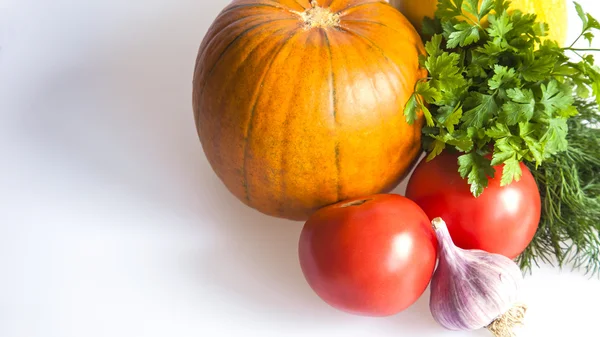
112,223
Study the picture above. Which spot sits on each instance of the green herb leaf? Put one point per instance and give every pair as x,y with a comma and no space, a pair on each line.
555,137
410,109
430,26
501,6
428,117
503,151
450,117
538,68
592,22
432,47
446,75
471,7
502,75
519,109
476,169
581,15
463,35
460,140
429,94
498,131
554,99
437,148
483,107
485,8
499,25
449,9
511,171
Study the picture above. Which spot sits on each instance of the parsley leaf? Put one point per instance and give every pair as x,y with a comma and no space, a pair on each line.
449,117
498,131
505,152
499,26
502,76
520,108
410,109
483,107
476,169
471,7
432,47
485,8
581,15
554,139
463,35
449,9
429,94
428,116
511,171
537,69
437,148
445,71
554,99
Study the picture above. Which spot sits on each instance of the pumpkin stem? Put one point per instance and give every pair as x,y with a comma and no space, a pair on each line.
319,17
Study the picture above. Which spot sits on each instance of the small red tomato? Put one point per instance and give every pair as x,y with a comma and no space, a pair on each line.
369,256
502,220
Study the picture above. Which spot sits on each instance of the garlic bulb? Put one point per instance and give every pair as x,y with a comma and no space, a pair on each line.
473,289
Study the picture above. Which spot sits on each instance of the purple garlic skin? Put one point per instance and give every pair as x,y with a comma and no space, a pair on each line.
471,288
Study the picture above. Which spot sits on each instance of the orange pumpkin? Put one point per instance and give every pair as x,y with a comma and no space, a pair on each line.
299,104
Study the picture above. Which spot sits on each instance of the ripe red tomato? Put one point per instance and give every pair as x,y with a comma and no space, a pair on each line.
371,257
502,220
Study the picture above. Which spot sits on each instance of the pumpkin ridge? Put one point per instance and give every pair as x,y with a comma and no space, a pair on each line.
385,57
299,4
253,111
251,52
383,25
233,8
205,48
345,10
283,160
375,92
230,45
199,92
198,96
381,64
332,82
373,22
376,46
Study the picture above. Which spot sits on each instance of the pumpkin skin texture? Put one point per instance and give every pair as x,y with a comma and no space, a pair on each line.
553,12
299,104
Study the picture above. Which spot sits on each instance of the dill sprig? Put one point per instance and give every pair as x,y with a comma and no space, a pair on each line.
569,185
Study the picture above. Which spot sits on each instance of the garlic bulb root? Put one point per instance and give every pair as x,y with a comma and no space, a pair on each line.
503,326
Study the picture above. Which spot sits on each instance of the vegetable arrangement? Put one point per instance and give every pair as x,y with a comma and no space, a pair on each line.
314,110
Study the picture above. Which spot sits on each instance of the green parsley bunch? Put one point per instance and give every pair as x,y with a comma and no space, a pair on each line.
498,92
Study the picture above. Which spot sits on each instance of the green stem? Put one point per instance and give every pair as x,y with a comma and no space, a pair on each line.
577,39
